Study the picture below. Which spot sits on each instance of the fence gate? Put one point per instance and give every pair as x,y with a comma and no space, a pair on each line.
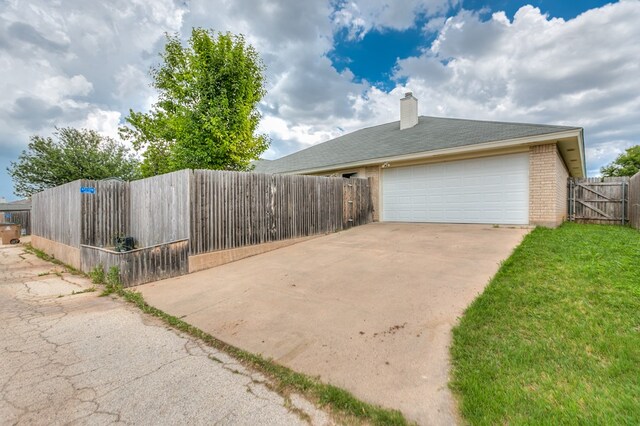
357,208
599,200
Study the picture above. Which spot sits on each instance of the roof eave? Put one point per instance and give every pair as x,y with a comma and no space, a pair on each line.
506,143
583,156
8,207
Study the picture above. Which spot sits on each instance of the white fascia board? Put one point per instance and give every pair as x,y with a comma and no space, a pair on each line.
583,159
529,140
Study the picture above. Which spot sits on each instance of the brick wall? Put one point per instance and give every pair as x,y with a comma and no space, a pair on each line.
547,186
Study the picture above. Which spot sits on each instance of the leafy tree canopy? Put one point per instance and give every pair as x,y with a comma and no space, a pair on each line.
75,154
627,164
206,116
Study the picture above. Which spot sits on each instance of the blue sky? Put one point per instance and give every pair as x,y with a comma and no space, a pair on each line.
555,8
373,57
333,66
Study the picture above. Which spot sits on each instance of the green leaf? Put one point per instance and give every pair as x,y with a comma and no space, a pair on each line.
206,115
627,164
75,154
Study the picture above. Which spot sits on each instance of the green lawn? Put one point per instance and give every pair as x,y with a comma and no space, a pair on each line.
555,337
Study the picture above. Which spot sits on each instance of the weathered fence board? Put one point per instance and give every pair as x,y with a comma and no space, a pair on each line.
234,209
141,265
599,200
105,212
357,199
634,201
159,208
56,214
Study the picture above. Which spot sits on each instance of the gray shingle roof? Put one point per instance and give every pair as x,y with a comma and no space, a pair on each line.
14,206
387,140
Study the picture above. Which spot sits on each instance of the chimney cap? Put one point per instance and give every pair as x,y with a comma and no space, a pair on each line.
408,111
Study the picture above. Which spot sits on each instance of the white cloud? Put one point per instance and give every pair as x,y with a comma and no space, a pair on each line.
305,135
131,79
63,65
57,88
580,72
361,16
104,122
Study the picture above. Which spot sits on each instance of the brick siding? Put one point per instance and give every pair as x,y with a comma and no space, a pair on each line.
547,186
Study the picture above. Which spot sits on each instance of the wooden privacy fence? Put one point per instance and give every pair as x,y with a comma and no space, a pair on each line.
56,214
231,210
608,200
634,201
191,212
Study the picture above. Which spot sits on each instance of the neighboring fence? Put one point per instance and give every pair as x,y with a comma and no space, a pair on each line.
599,200
17,212
634,201
205,210
21,217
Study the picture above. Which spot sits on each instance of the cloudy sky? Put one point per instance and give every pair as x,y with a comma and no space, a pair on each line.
333,66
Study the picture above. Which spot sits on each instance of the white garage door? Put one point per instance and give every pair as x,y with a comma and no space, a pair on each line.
479,190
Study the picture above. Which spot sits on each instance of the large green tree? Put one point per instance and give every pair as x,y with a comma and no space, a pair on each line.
626,164
206,115
74,154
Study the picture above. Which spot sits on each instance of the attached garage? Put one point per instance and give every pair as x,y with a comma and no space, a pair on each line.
478,190
451,170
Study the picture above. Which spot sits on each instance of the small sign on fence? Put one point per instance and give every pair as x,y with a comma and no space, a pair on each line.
87,190
7,216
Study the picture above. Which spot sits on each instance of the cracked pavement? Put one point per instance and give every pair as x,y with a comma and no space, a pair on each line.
79,358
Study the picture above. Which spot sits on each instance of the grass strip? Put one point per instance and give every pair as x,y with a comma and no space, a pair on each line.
44,256
555,336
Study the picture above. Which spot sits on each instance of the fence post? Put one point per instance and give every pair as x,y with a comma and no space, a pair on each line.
572,199
623,203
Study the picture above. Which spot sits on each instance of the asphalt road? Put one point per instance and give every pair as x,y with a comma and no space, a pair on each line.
83,359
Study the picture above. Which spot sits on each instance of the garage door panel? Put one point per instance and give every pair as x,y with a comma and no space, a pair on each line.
483,190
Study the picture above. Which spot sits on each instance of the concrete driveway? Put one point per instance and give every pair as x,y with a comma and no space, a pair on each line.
369,309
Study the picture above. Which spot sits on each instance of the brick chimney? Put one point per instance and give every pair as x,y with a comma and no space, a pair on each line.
408,111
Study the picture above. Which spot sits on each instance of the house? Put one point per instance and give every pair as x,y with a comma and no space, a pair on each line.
432,169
